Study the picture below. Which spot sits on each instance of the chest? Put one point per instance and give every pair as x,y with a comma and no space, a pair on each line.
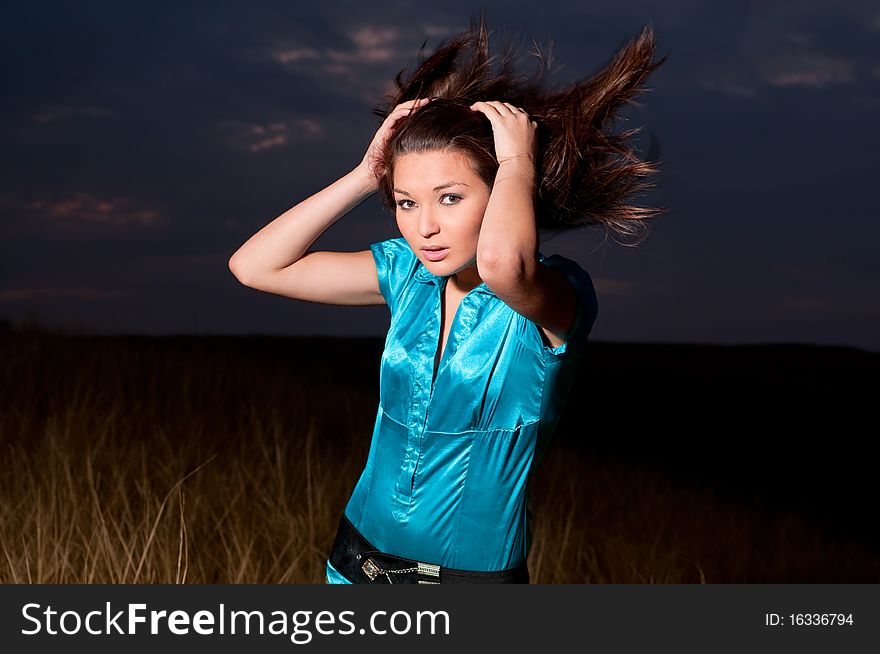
456,363
449,303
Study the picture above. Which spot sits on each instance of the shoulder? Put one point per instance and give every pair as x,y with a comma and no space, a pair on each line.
582,282
396,265
586,311
398,245
393,252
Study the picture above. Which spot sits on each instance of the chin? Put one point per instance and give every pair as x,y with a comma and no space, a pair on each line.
444,267
436,267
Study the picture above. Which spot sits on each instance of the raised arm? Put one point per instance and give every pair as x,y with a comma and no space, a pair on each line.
277,259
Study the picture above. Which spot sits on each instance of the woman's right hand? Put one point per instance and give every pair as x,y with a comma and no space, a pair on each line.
370,164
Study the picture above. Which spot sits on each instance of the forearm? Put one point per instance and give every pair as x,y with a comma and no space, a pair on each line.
284,240
509,235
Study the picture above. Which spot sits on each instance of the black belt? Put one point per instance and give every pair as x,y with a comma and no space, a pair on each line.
361,563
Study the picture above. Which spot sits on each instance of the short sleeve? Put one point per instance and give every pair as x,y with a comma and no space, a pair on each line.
396,264
585,315
588,303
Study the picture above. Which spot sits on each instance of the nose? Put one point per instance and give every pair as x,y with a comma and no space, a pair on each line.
428,225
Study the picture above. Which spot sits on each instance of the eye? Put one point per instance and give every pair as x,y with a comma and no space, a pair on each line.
457,198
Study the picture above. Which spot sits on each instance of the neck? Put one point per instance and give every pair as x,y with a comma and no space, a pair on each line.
465,279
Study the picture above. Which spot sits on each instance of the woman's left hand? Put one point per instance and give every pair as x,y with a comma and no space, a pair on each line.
513,130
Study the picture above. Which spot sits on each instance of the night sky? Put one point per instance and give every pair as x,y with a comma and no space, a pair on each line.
143,143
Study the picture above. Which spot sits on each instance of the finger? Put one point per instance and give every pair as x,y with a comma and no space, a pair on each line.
502,107
414,104
507,109
406,108
487,106
518,110
411,104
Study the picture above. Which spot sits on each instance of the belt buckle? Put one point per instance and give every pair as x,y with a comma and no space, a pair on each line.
429,570
370,569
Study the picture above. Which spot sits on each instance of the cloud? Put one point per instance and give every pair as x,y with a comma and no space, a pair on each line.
255,137
808,69
808,304
294,55
810,44
439,31
349,58
779,71
807,272
83,209
62,112
728,83
757,71
606,286
371,44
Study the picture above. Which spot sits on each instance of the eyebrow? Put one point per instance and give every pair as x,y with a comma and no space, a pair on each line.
436,188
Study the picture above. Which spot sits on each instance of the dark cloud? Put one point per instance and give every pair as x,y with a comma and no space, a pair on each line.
143,143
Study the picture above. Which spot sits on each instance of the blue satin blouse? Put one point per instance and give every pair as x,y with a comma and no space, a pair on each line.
446,477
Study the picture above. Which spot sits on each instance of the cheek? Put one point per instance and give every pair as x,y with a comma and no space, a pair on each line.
477,224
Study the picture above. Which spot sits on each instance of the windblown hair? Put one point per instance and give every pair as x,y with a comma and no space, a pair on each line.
585,173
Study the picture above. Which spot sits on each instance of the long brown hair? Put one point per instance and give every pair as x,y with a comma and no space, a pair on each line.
585,172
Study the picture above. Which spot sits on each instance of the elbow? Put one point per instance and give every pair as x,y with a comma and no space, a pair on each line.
500,268
233,265
237,271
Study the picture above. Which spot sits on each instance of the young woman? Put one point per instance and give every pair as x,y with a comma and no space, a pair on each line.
486,332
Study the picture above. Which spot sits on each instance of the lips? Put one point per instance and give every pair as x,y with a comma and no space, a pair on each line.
435,253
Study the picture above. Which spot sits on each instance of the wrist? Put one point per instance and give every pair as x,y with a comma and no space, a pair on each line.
517,165
516,169
365,180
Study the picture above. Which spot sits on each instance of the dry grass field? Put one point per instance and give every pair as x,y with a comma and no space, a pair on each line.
137,459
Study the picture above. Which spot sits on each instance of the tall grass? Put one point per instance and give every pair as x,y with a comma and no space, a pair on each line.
229,460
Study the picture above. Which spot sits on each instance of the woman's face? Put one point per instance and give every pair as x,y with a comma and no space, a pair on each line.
440,203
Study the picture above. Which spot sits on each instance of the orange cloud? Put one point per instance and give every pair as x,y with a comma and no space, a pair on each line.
82,209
